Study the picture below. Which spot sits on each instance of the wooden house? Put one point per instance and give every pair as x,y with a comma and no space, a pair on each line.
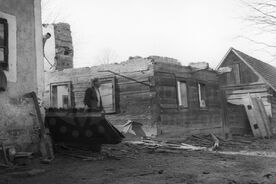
166,97
249,77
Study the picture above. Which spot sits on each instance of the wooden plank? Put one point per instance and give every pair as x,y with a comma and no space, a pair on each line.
167,92
46,147
138,95
136,76
264,117
258,116
246,91
168,101
173,110
206,76
87,76
134,93
239,101
265,94
135,103
225,122
245,86
132,87
169,106
165,81
253,122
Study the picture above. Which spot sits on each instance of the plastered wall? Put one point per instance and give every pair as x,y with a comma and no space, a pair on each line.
18,124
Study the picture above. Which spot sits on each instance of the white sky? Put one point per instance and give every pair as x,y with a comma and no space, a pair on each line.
188,30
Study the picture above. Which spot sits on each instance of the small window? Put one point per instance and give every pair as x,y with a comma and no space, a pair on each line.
182,94
60,95
202,95
3,44
107,91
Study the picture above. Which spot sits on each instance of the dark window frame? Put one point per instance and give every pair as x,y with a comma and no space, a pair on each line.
5,64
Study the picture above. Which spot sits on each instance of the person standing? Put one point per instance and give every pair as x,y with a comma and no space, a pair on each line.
92,99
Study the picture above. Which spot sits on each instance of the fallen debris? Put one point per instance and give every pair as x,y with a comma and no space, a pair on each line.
155,146
83,157
267,154
165,147
216,144
267,176
108,152
22,158
46,161
4,153
160,171
144,173
133,127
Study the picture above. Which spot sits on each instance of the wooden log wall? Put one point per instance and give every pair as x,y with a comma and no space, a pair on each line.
177,121
237,120
134,100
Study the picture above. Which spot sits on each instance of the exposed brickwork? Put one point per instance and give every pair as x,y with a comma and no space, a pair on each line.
64,46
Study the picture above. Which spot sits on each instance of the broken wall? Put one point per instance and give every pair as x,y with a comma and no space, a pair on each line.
64,46
134,101
154,105
59,48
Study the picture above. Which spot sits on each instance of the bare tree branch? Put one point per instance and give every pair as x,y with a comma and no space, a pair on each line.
107,56
262,16
258,42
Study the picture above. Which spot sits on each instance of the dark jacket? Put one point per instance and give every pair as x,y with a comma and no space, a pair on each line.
3,81
91,100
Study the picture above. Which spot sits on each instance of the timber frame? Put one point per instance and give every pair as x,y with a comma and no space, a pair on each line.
257,79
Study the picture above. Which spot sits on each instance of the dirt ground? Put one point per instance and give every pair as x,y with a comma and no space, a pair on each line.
138,164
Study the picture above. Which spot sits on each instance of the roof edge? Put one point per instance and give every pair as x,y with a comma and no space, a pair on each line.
257,73
224,57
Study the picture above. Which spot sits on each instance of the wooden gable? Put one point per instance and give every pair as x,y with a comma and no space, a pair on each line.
240,74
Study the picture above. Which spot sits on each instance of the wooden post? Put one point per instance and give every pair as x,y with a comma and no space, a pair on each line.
46,147
224,123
